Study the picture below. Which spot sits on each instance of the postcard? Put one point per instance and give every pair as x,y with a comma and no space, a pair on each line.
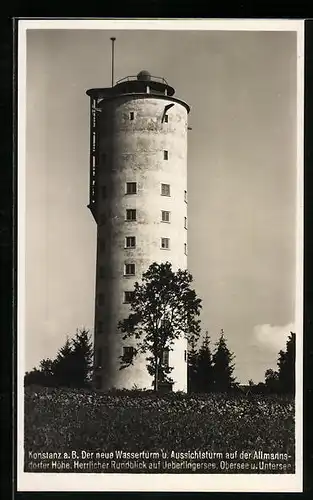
160,255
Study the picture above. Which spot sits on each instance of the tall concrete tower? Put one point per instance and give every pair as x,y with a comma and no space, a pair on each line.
138,198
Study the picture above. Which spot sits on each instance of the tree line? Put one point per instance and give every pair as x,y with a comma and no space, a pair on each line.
213,372
207,371
163,308
72,366
283,379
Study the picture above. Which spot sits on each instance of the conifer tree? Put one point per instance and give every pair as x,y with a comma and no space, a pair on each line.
223,367
71,368
286,366
192,361
204,368
82,354
282,380
63,365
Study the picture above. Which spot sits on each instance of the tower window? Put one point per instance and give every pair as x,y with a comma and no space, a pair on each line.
99,327
185,222
130,269
100,299
165,357
166,118
131,115
185,248
165,190
130,242
99,358
128,354
165,153
165,216
185,355
165,324
128,296
165,243
131,214
185,196
131,187
104,192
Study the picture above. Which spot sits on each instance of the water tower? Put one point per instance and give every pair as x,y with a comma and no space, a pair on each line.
138,198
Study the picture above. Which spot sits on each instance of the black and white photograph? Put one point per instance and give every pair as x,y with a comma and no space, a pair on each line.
160,255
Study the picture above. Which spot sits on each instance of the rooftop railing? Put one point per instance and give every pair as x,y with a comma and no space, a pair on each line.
135,78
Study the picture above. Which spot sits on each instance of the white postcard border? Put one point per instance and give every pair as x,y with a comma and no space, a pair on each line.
158,482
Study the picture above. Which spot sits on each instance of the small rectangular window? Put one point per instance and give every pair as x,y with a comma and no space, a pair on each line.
128,353
165,154
131,115
130,269
165,324
165,243
131,187
165,357
185,222
185,196
99,358
131,214
128,296
104,192
165,190
100,299
130,242
99,327
165,216
185,248
166,118
185,355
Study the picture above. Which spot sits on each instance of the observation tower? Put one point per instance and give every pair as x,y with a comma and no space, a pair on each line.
138,198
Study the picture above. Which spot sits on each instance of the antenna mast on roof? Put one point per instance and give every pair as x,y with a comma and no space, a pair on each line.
113,40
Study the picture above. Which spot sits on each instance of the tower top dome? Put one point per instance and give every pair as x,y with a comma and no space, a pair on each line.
144,75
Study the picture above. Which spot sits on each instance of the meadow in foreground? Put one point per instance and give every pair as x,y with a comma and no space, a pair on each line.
63,420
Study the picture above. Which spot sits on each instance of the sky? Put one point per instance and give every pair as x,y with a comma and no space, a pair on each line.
242,90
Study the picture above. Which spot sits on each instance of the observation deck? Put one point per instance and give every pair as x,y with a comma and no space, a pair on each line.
143,83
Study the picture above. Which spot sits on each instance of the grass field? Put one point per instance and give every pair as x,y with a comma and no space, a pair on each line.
63,420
